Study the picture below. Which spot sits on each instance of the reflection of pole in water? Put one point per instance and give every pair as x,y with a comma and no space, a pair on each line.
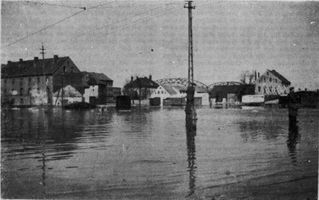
293,127
46,127
191,156
292,141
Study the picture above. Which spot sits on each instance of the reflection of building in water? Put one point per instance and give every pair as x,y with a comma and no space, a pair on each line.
292,141
191,156
265,128
27,127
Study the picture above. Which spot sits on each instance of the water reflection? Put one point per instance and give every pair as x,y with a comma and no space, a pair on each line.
251,130
191,153
37,131
292,141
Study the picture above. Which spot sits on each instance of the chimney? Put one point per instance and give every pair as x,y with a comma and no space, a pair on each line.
258,75
9,62
306,89
36,59
132,78
150,77
55,58
20,60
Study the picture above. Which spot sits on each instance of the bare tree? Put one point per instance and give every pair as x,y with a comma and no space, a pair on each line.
247,77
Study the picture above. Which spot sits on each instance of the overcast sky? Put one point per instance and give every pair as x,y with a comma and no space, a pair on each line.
124,38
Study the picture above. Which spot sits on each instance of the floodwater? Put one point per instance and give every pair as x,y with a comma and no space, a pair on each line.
147,154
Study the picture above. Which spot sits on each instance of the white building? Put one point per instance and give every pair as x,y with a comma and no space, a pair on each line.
70,95
168,91
272,83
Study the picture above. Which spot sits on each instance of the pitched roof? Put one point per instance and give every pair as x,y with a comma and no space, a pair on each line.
77,80
32,67
281,77
97,78
141,83
169,89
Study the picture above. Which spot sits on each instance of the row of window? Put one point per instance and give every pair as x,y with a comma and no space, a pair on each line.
22,91
270,79
160,92
13,80
271,90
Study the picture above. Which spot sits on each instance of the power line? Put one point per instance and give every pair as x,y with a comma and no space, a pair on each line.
44,28
134,16
68,17
137,20
100,5
51,4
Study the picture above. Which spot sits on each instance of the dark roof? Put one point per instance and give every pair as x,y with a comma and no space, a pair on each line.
97,78
141,83
77,80
223,90
283,79
32,67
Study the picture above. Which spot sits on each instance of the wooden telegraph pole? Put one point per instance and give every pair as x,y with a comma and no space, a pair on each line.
190,107
49,102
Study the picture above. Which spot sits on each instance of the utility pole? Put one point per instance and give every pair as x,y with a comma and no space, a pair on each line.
42,53
190,104
46,78
190,7
62,94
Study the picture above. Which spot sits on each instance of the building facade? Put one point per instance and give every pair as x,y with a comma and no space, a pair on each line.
30,82
140,88
95,88
100,88
171,94
229,92
272,83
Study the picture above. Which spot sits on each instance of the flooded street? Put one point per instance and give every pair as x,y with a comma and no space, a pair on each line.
146,154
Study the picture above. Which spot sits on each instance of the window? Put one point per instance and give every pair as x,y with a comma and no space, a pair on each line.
13,81
21,101
21,91
269,79
259,88
38,80
265,90
29,91
270,89
5,81
30,80
38,90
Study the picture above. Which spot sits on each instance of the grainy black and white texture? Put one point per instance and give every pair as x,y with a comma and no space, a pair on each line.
148,153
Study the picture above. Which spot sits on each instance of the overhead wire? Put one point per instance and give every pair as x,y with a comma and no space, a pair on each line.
44,28
76,13
51,4
137,21
100,5
134,16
